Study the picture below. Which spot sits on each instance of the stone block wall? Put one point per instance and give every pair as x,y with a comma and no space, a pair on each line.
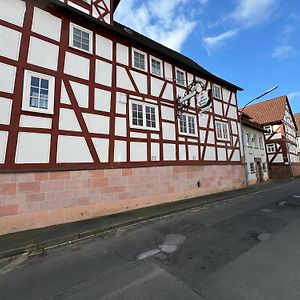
34,200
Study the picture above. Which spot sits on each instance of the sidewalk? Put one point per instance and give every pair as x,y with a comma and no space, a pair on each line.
37,240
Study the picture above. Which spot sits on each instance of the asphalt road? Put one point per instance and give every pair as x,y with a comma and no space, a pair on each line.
207,253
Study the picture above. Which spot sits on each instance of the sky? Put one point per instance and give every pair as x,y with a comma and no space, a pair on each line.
254,44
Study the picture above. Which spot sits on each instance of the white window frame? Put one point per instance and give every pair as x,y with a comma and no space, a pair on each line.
26,92
227,129
273,146
145,59
144,105
161,66
252,168
268,128
260,142
184,77
255,140
216,86
188,128
89,32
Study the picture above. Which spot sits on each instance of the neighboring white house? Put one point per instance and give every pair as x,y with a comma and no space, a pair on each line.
256,166
297,119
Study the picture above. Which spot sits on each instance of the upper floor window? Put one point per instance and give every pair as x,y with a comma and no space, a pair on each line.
143,115
271,148
260,142
222,131
217,91
156,66
81,38
248,139
187,124
254,140
252,168
139,60
180,77
268,128
38,93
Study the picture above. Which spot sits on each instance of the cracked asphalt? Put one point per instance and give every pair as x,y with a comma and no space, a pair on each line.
206,253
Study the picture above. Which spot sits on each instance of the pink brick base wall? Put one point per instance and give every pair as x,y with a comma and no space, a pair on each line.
33,200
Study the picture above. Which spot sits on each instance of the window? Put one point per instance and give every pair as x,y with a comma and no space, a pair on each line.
252,168
268,128
254,140
156,66
38,93
271,148
217,91
81,38
260,141
264,167
139,60
143,115
187,124
180,77
222,131
248,139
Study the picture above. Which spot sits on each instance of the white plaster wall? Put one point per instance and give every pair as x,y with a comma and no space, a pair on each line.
140,81
64,98
203,118
103,47
169,152
81,92
211,138
226,95
193,152
123,80
33,148
168,131
168,93
138,135
202,136
120,126
68,120
232,112
155,151
167,113
102,100
102,148
5,110
156,86
236,156
218,108
278,158
221,154
77,66
154,136
103,73
182,152
46,24
96,123
35,122
3,145
168,72
78,7
210,153
138,151
120,154
43,54
73,149
10,42
122,54
121,103
8,76
12,11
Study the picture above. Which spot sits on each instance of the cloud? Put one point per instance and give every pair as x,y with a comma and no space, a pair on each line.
212,42
165,21
252,12
283,52
293,95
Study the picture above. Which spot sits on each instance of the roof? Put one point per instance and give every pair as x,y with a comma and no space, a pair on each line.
247,120
297,120
130,34
116,3
269,111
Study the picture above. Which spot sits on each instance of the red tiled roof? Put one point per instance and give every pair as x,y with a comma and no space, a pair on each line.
297,119
268,111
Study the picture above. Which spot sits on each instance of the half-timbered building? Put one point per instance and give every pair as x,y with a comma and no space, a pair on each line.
90,123
253,138
297,119
277,119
